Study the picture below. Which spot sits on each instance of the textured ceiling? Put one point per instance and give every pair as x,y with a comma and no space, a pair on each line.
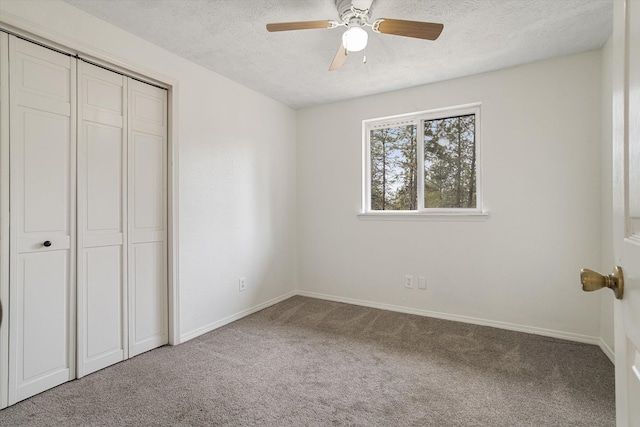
229,37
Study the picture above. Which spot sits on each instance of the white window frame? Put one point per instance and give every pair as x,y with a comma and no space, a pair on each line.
417,119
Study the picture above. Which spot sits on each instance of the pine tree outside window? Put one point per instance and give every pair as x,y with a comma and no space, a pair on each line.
424,163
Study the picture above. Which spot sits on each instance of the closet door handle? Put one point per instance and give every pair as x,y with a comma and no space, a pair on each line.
46,243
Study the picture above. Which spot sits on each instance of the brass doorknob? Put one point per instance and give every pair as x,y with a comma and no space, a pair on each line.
592,281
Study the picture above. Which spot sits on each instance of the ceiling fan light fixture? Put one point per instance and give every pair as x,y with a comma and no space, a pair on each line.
355,39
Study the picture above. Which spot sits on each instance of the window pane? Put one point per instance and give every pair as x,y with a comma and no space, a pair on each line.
450,162
394,168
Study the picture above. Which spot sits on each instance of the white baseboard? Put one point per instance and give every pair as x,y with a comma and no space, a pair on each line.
473,320
607,350
244,313
400,309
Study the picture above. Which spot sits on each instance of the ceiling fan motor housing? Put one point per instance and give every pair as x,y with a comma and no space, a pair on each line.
351,14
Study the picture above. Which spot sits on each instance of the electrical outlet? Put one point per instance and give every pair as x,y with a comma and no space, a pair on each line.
422,283
408,282
242,284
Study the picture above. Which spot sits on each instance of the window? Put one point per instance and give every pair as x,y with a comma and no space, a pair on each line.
424,163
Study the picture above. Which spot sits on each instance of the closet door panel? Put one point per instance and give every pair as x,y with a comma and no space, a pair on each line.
148,188
103,161
148,291
149,295
102,281
44,342
44,172
44,338
42,267
103,278
43,71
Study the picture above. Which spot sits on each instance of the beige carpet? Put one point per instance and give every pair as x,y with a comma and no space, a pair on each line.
307,362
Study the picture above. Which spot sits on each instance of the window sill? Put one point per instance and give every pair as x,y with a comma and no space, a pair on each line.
434,216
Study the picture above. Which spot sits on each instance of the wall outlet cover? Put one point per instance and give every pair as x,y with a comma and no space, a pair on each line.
408,282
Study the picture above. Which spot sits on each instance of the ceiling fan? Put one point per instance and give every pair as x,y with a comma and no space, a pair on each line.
355,20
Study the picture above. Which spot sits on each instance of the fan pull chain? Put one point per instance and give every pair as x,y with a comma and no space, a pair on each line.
364,58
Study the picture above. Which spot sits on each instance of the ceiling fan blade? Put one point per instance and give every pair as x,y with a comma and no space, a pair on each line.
416,29
303,25
339,59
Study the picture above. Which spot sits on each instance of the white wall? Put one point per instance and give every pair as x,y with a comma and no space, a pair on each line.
606,296
541,129
236,151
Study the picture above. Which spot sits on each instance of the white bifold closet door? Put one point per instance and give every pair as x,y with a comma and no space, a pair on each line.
122,205
147,224
107,265
42,231
102,218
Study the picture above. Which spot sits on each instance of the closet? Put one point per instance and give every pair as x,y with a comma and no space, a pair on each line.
85,241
